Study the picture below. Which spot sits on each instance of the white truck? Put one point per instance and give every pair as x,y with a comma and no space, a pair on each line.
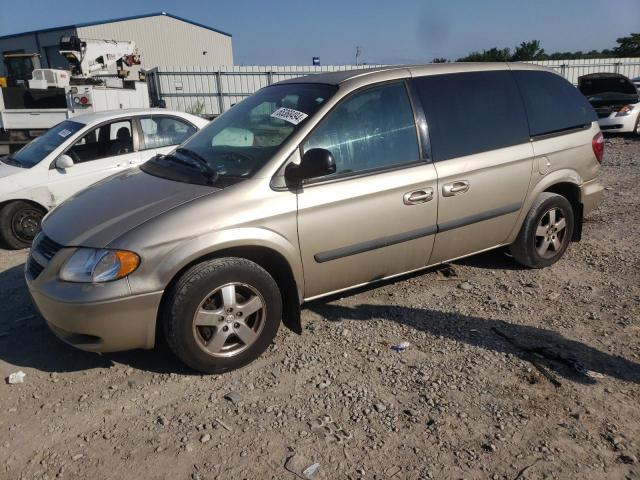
96,81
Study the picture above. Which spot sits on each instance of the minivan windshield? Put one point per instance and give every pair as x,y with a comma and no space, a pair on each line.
239,142
36,150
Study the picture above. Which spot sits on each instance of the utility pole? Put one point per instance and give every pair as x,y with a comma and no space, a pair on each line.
358,54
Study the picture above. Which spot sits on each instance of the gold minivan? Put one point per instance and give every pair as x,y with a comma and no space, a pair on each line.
312,186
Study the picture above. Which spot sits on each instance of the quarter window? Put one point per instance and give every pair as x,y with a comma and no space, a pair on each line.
161,132
472,112
552,103
369,130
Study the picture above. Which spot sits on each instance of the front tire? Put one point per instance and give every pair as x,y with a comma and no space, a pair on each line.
222,314
19,224
545,233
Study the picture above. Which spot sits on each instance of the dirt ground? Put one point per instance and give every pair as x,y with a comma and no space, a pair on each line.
510,373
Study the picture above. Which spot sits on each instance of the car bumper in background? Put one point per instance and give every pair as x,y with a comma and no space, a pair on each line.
618,124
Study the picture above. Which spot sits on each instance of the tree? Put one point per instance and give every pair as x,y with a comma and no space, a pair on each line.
492,55
440,60
529,51
628,46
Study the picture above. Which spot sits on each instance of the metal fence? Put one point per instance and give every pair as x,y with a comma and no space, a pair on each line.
572,69
212,90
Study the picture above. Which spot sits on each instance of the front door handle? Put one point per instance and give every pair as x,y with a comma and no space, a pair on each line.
418,196
455,188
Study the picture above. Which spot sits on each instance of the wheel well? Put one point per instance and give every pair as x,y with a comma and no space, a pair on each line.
571,192
31,202
272,262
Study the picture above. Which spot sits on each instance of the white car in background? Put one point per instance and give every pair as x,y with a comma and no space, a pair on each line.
77,153
615,99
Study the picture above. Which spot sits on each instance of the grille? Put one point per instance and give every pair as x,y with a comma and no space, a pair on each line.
603,112
47,247
34,268
44,249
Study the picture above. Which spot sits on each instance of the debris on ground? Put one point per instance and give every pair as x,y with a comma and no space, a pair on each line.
16,377
311,470
400,347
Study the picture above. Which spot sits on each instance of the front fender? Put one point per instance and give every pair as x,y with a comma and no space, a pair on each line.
183,253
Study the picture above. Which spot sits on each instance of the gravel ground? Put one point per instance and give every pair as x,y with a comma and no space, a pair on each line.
510,373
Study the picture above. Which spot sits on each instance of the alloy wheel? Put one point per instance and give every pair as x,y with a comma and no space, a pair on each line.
551,233
229,320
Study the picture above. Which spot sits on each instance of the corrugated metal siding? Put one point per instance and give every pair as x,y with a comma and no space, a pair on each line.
187,88
572,69
163,40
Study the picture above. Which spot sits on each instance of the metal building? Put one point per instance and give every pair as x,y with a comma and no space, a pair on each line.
161,38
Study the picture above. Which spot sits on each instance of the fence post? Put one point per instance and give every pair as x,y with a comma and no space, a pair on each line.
563,70
269,77
616,67
219,85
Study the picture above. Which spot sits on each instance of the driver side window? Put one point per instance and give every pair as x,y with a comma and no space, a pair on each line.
108,140
370,130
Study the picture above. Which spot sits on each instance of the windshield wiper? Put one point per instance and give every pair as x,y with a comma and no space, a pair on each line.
208,171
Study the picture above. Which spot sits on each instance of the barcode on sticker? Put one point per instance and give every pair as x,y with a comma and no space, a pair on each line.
289,115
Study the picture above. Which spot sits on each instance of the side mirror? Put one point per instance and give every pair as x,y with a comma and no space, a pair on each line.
316,162
63,162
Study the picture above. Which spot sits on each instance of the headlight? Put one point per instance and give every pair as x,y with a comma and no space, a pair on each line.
89,265
624,111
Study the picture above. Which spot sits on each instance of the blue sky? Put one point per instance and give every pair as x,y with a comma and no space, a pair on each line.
393,31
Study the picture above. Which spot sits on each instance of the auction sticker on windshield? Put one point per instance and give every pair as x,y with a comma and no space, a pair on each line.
64,133
289,115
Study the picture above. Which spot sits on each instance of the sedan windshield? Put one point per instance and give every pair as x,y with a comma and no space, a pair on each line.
36,150
238,143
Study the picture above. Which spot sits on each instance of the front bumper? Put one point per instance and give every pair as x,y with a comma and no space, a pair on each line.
624,124
94,317
591,195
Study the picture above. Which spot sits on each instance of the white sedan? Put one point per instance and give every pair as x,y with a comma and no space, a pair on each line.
77,153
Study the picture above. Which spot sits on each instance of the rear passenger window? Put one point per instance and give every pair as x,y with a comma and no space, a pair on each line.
552,103
161,131
369,130
473,112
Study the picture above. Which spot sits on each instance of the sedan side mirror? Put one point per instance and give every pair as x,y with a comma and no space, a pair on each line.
316,162
63,162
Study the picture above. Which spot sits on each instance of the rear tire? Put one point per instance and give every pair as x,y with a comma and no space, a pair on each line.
19,223
545,233
222,314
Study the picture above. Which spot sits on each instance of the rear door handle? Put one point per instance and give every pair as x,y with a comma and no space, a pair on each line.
418,196
455,188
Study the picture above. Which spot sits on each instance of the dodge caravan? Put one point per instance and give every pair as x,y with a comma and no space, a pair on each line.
312,186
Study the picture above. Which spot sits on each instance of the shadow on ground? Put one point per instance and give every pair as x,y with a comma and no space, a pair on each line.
26,341
561,355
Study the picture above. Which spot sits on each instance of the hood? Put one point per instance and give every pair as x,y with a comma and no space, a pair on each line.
97,216
603,86
7,170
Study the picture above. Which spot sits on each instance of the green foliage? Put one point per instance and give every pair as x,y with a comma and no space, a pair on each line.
440,60
628,46
492,55
531,50
197,108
